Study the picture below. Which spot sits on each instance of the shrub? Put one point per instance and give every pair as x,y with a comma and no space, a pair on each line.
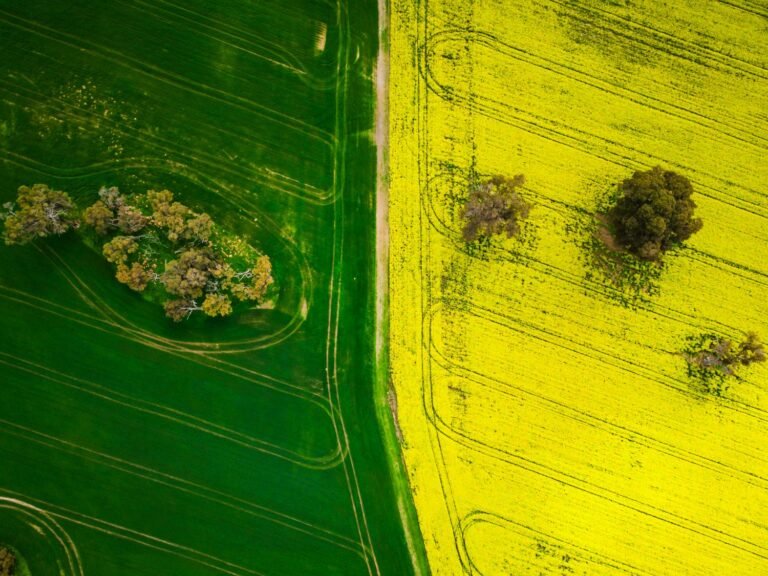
494,207
715,357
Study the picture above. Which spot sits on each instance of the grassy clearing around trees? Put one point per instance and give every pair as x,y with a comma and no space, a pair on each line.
160,248
550,422
241,445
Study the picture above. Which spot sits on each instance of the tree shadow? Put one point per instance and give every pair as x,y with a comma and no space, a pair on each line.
628,280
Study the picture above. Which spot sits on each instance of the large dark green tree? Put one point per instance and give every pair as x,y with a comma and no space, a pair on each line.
653,213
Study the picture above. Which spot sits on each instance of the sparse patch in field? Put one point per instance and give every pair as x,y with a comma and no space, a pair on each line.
454,284
79,114
611,39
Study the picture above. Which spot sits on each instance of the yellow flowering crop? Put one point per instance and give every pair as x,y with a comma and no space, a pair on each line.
550,425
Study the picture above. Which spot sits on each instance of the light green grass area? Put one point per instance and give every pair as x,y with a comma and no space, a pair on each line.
247,445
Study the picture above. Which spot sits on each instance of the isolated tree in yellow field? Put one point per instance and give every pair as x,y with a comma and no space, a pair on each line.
712,358
653,213
37,213
494,206
721,354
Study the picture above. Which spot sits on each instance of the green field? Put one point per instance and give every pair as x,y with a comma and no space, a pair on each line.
249,445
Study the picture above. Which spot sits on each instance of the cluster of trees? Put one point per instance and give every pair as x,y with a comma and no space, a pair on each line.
653,212
158,246
154,240
7,562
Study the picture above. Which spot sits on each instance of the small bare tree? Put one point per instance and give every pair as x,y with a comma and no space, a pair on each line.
718,357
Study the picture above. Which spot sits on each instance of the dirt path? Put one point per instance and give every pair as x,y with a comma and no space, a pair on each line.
382,183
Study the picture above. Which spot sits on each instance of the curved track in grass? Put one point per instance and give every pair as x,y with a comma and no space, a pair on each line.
246,446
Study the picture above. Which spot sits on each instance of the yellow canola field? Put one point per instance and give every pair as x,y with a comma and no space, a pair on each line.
549,423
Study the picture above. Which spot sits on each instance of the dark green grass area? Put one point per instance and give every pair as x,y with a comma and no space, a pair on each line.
246,445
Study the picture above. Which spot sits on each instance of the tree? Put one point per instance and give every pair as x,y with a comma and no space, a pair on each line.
178,310
7,562
168,214
654,213
37,213
99,217
751,350
112,211
198,229
135,276
130,219
217,305
494,206
262,275
119,249
250,284
111,197
190,273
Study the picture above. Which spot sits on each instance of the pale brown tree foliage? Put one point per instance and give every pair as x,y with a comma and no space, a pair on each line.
188,275
494,207
37,213
136,276
722,355
168,214
99,217
7,562
130,220
181,309
119,249
217,305
251,284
